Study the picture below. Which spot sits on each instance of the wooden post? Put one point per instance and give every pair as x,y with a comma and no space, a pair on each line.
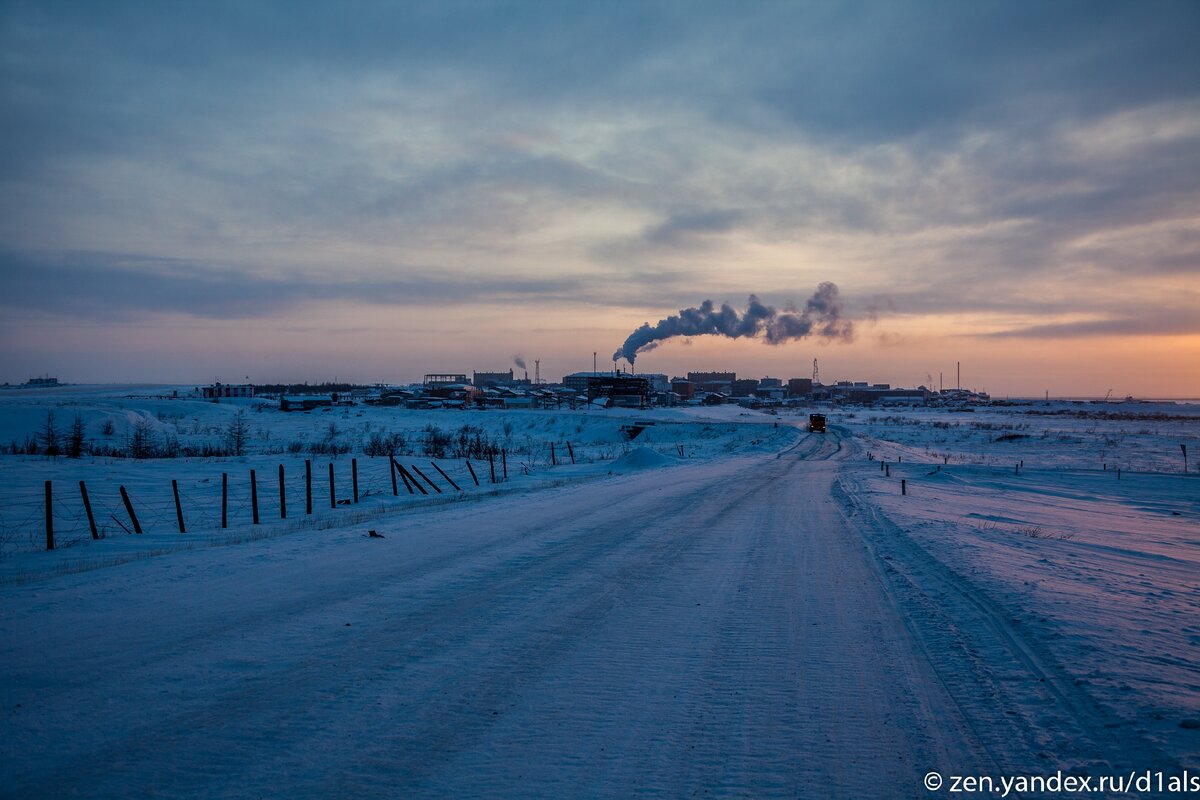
410,480
137,528
903,486
1183,447
178,506
49,517
553,460
447,477
392,472
881,465
354,477
307,486
1017,469
332,495
571,452
504,459
282,495
397,468
224,499
887,470
492,465
1118,473
417,470
87,506
472,471
254,497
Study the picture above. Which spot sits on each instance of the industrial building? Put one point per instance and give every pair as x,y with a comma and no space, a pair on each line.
715,382
219,390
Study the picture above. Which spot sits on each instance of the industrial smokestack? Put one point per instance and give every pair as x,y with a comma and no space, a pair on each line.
519,360
821,316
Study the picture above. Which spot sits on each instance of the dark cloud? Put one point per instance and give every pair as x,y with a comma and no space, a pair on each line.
980,145
110,286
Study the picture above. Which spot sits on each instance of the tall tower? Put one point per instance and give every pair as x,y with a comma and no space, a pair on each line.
816,374
537,372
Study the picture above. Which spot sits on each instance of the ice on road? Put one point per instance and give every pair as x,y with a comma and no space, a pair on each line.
717,630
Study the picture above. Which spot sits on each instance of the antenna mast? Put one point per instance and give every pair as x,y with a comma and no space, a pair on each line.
537,372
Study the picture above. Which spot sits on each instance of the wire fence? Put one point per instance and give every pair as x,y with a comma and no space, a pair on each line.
166,497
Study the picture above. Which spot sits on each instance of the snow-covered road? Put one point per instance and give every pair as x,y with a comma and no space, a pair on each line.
722,629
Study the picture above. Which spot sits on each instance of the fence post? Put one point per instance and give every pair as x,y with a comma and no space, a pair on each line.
87,506
417,470
354,477
178,506
307,486
410,480
571,452
492,465
392,472
553,460
137,528
472,471
447,477
254,497
397,468
49,517
332,495
903,486
504,459
881,465
224,499
887,470
282,495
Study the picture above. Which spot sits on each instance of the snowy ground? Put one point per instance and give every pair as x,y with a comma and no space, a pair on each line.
539,447
1101,573
766,617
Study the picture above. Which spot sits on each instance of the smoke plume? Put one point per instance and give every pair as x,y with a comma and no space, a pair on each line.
821,317
519,360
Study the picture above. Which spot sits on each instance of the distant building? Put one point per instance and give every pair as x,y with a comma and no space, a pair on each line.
800,387
682,387
713,382
482,380
744,387
622,390
770,383
434,380
658,381
304,402
880,393
219,390
42,382
578,381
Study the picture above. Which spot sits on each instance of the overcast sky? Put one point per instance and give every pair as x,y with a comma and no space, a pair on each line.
372,191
